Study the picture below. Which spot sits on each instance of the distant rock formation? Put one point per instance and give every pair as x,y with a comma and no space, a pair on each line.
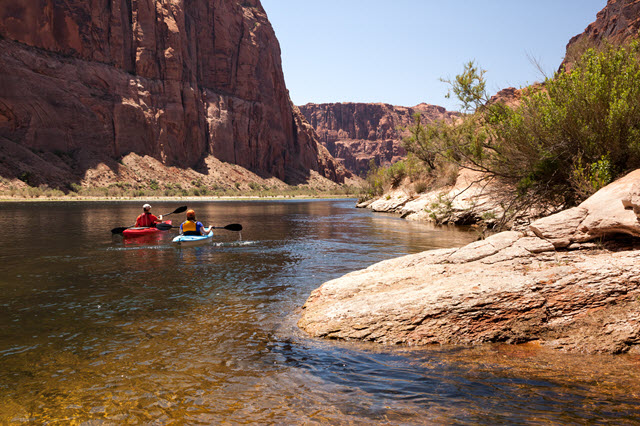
177,81
356,133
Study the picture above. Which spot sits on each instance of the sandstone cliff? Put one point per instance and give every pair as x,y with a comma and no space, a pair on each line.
618,21
174,80
356,133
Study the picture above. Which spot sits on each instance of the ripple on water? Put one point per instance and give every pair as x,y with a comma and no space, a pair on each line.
101,330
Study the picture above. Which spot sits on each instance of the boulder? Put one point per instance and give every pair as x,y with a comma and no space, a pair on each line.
512,287
470,199
614,209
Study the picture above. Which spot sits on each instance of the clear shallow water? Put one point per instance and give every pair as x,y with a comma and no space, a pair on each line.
97,329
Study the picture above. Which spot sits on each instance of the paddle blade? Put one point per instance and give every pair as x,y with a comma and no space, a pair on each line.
164,226
119,230
180,210
233,227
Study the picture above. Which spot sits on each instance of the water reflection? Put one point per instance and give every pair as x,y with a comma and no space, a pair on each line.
97,328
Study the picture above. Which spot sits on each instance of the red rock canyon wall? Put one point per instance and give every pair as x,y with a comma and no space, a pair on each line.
618,21
356,133
173,79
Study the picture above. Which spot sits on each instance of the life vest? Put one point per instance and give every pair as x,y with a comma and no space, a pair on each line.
190,227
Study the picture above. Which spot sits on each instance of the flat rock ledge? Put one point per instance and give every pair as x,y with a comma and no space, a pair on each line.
551,284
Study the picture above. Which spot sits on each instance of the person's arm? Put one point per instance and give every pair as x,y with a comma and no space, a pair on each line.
203,230
206,230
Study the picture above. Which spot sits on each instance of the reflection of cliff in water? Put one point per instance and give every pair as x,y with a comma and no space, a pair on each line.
97,329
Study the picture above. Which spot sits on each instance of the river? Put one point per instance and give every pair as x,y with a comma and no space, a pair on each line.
97,329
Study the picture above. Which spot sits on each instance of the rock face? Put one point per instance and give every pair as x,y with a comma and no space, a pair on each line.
356,133
512,287
471,199
618,22
176,80
613,210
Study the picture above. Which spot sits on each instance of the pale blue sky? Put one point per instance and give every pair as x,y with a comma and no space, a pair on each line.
395,51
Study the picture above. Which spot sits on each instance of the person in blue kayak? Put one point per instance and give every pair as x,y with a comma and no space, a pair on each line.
193,227
147,219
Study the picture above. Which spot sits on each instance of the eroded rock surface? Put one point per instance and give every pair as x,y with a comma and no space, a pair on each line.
612,210
472,198
511,287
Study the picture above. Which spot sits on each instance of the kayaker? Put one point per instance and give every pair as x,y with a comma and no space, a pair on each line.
147,219
192,227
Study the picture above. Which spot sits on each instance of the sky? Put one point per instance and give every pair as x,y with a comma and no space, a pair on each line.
397,51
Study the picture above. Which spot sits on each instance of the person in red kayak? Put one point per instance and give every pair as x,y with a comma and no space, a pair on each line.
192,227
147,219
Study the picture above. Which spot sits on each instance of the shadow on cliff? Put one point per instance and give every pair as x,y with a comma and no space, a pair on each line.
34,167
69,171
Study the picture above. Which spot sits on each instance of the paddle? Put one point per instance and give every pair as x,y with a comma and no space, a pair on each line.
178,210
121,229
231,227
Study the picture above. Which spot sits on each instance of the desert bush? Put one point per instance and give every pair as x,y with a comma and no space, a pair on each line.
75,187
395,173
563,141
583,128
420,187
375,180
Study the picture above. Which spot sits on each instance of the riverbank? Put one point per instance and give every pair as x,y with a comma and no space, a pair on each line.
569,281
172,199
473,199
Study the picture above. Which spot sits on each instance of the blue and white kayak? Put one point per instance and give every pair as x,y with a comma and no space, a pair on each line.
193,240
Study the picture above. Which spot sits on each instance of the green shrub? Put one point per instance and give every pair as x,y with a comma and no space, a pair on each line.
562,141
583,128
420,187
396,173
375,180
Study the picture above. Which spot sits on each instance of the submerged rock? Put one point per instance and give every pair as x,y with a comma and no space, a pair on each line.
511,287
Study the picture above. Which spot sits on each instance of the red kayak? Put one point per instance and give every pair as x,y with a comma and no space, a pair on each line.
138,232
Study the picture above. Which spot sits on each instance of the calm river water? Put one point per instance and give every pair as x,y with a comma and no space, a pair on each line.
95,329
